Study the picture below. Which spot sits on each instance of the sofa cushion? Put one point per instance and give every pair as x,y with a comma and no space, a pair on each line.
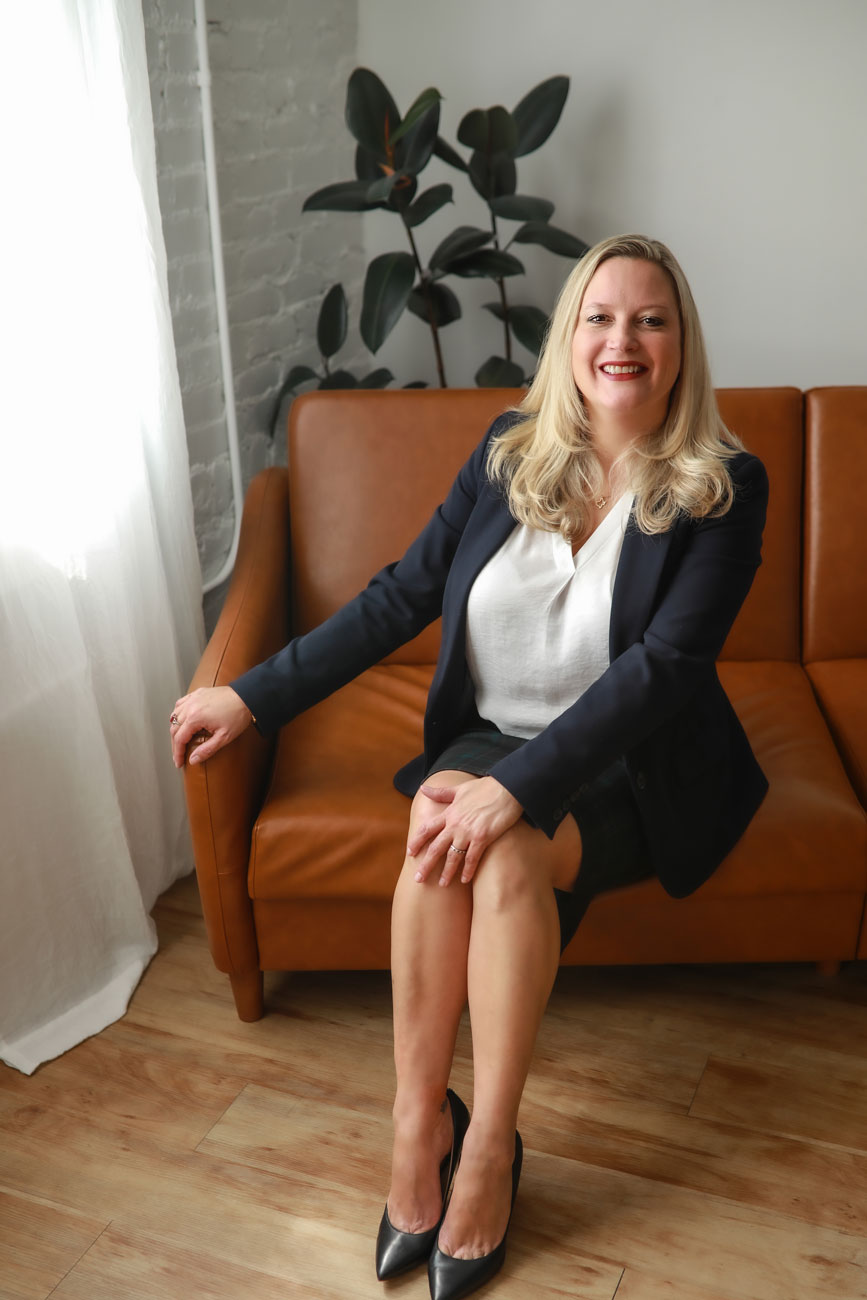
397,457
810,833
333,826
841,687
769,422
835,525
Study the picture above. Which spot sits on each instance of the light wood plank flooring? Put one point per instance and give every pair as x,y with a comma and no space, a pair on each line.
691,1134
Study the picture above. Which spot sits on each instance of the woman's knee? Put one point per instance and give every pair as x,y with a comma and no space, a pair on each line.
505,877
524,863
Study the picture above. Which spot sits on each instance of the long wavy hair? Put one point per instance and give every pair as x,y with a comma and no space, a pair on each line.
546,462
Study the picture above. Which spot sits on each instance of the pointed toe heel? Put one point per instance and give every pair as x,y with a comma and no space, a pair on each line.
450,1278
397,1252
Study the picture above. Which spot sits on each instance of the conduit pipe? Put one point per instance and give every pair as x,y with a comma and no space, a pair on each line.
219,290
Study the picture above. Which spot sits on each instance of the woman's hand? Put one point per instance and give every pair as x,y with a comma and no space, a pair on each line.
477,813
218,711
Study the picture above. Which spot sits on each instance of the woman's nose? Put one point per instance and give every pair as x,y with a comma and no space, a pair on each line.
622,336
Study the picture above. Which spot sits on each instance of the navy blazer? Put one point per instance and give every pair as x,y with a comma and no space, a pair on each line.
660,703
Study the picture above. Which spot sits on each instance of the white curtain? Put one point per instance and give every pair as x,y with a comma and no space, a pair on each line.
100,589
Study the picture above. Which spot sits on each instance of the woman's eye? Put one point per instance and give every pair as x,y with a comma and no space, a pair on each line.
655,321
595,319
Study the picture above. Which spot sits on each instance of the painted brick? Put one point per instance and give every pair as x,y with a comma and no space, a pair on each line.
208,441
180,51
180,147
259,303
185,233
279,77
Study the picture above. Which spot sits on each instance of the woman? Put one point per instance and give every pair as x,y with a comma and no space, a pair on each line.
588,563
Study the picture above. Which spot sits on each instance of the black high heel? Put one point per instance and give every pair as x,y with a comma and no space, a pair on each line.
396,1251
451,1278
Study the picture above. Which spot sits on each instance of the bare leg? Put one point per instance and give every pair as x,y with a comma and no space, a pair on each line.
513,957
429,954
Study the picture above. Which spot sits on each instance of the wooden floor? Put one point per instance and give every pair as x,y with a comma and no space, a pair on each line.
690,1134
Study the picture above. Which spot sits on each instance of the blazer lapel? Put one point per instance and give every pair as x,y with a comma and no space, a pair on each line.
635,585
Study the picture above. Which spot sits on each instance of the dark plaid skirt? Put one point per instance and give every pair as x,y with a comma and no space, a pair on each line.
614,850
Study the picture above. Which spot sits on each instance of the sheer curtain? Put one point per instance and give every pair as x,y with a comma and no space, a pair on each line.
100,589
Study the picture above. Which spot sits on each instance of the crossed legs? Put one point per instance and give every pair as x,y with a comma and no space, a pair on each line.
495,944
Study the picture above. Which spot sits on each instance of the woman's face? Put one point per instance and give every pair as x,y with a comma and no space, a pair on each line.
626,349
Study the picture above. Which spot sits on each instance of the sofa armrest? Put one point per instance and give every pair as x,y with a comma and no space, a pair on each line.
224,794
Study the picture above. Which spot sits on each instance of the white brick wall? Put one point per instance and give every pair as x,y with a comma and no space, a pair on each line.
279,73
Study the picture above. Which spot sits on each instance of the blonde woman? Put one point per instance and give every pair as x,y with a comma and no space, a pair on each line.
588,564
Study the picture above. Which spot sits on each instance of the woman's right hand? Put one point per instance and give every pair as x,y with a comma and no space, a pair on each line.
217,711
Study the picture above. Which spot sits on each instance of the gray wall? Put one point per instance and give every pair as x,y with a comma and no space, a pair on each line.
733,131
279,73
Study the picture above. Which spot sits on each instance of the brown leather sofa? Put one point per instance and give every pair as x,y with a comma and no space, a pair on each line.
298,840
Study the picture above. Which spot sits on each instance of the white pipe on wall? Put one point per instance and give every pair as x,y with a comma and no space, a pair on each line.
219,290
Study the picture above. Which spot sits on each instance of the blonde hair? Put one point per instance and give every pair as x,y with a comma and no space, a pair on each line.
547,461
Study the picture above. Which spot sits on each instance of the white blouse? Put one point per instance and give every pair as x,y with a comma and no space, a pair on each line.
537,623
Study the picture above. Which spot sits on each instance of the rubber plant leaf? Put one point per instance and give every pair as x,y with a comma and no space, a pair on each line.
497,372
333,322
380,378
371,113
427,203
538,113
343,196
462,240
550,237
339,379
493,175
443,304
528,324
521,207
412,153
387,286
490,262
489,130
425,101
447,154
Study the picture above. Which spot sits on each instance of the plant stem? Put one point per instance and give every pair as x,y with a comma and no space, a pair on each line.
501,285
430,312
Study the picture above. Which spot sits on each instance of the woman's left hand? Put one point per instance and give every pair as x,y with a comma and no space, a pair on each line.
476,814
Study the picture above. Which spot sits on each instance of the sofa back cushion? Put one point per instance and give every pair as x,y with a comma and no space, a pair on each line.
367,469
366,472
835,525
769,422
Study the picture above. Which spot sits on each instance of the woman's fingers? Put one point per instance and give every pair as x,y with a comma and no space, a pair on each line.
454,865
478,813
470,861
443,855
439,793
204,748
215,712
423,834
183,728
433,854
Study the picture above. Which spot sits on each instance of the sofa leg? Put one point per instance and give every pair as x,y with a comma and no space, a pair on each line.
828,968
248,990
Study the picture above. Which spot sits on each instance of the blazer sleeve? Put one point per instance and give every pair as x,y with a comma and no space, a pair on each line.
398,602
652,679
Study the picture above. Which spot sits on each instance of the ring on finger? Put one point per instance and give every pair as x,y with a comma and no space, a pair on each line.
454,849
175,720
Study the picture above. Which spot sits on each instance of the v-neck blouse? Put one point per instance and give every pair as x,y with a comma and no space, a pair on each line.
537,623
